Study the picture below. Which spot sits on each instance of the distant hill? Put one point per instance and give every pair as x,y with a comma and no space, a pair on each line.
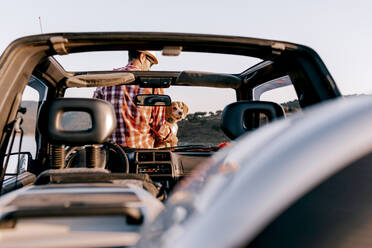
200,128
292,106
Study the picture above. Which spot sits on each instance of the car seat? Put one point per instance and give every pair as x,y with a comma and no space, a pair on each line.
243,116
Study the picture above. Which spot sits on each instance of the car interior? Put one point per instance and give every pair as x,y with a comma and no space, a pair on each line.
69,133
60,147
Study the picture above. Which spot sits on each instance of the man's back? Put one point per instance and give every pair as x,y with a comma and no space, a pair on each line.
137,126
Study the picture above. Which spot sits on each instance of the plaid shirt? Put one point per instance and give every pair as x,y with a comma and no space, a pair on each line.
137,126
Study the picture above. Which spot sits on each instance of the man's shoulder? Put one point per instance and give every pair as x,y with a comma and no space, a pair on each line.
121,69
128,67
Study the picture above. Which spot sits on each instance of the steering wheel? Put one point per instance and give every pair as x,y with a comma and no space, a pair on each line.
112,157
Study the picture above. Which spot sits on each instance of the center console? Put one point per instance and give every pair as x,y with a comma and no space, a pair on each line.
159,165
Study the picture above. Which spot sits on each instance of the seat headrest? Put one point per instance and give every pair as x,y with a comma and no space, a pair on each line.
101,113
243,116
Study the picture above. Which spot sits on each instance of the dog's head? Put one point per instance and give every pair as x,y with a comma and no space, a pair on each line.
176,111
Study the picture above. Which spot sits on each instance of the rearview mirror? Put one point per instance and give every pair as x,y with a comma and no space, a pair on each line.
152,100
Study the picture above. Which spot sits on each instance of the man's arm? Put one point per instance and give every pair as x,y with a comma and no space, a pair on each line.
160,127
162,131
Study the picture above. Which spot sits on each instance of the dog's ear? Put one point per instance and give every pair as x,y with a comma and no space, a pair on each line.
185,109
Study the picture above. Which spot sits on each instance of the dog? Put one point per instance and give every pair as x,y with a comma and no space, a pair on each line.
173,114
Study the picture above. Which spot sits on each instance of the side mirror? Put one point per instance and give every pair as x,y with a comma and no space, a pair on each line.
152,100
243,116
16,175
17,164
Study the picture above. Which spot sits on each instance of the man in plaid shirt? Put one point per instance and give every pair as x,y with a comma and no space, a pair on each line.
137,126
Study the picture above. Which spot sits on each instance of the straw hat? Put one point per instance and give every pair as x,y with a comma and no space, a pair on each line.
150,54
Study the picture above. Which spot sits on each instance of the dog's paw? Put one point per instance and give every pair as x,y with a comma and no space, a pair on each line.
172,140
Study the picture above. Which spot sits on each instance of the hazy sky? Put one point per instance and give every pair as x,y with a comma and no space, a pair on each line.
340,31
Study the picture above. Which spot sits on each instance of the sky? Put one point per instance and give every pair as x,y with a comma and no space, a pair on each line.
339,31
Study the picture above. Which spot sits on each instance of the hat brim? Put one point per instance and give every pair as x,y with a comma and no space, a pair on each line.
152,56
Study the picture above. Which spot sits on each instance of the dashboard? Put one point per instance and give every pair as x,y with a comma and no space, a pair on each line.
158,165
165,166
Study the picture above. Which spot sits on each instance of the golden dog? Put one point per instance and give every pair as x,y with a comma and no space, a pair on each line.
173,114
